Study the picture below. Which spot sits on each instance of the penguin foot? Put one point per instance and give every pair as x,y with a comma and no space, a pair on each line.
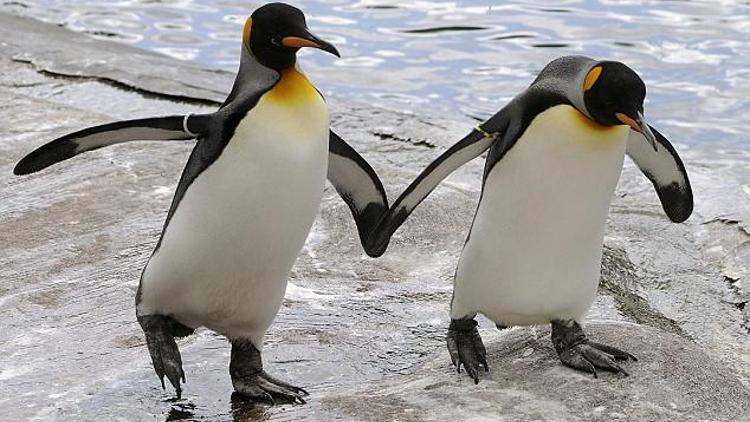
162,347
577,352
267,388
465,347
250,380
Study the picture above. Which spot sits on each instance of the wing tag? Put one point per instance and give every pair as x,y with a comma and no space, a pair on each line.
486,134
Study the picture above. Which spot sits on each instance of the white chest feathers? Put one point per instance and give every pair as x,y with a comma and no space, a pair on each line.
227,252
534,252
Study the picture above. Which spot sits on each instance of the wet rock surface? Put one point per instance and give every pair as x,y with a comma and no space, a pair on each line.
673,380
354,331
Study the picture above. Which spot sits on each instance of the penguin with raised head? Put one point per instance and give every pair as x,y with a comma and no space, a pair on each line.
533,254
244,204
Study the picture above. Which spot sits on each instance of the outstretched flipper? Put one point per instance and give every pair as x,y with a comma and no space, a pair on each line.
465,150
666,171
352,177
170,128
357,184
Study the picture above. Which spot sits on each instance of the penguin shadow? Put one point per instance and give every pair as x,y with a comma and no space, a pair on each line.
242,409
181,412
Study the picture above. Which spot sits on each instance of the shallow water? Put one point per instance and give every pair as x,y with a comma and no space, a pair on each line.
469,56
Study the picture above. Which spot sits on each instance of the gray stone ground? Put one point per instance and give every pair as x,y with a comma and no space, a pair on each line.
364,336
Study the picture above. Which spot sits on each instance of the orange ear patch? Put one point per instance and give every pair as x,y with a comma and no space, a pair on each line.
246,32
592,77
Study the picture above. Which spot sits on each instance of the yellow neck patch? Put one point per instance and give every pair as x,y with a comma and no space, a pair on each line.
581,120
293,88
246,32
567,126
592,77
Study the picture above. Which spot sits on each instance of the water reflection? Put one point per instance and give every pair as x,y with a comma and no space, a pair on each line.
246,410
241,409
463,56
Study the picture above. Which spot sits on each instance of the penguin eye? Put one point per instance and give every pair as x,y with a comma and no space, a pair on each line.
277,40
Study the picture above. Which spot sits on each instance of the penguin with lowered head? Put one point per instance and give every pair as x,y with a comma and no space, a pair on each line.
533,254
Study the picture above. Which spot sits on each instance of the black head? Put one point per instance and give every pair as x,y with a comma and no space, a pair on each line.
276,31
613,95
611,88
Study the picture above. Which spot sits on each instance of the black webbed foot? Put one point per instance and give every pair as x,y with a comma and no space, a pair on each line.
577,352
465,347
165,355
267,388
250,380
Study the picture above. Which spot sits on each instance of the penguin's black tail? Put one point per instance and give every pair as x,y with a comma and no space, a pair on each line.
170,128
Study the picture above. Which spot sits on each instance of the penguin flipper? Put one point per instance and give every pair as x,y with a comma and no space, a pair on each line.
152,129
357,184
665,170
465,150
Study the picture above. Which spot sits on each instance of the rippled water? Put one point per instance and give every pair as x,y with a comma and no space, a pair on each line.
469,56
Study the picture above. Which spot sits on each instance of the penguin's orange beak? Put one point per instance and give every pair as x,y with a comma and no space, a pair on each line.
308,39
639,125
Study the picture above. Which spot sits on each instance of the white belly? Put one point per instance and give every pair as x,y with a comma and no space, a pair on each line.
534,252
227,252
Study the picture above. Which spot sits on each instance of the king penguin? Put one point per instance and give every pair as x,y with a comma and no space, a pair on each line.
244,204
533,254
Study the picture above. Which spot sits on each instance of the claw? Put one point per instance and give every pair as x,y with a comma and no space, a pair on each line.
165,355
475,375
250,380
577,352
299,391
615,352
465,347
253,391
269,397
573,358
263,386
453,351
